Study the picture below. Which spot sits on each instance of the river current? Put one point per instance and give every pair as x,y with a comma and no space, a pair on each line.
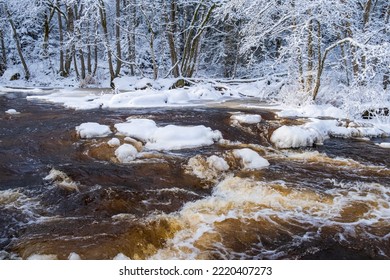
60,194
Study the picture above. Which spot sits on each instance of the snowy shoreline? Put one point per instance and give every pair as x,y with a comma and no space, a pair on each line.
322,121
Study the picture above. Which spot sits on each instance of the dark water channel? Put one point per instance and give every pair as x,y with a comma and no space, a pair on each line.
326,202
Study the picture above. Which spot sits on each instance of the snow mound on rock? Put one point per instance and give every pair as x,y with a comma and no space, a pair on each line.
12,112
141,129
250,159
316,131
173,137
246,119
126,153
91,130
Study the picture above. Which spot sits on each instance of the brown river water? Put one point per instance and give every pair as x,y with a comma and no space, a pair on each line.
327,202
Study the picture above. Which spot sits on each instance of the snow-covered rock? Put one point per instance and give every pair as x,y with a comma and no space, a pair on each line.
141,129
114,142
92,129
250,159
217,163
385,145
173,137
126,153
12,112
246,119
316,131
295,137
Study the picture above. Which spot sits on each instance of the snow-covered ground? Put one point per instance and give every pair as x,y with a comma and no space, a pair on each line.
142,93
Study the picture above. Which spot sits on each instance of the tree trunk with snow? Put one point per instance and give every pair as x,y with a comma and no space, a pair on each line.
131,39
192,43
230,43
18,45
3,60
61,38
310,57
386,76
70,48
103,21
118,38
171,24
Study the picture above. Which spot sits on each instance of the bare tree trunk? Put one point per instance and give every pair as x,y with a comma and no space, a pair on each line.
322,63
367,12
301,78
355,65
95,51
103,18
46,31
118,38
82,74
18,45
366,18
131,36
386,76
345,61
170,21
76,69
61,37
230,47
151,45
89,49
70,50
3,62
192,42
319,41
310,58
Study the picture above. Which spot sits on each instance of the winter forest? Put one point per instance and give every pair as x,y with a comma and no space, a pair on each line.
195,129
343,44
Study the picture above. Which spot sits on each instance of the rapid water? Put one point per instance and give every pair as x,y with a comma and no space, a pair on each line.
60,194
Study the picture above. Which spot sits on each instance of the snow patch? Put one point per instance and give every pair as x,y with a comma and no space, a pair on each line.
250,159
316,131
114,142
12,112
126,153
173,137
295,137
313,111
91,130
385,145
217,163
246,119
141,129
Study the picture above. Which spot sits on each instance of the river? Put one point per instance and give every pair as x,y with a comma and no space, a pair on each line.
60,194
